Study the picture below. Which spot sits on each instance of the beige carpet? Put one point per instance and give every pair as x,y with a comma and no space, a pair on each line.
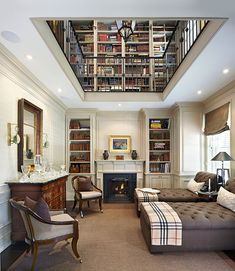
113,241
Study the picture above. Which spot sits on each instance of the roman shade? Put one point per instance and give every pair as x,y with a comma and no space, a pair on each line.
216,120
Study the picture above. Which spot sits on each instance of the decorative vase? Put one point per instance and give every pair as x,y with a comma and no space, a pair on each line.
105,155
134,155
29,154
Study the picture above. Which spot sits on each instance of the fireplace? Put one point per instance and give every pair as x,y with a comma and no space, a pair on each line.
119,187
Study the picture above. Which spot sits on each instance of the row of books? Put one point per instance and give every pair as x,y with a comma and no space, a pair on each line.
137,48
161,157
79,168
79,135
80,157
159,123
109,37
159,167
80,146
159,135
159,145
110,48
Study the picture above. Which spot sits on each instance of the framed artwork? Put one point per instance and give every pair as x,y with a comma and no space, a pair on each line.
120,144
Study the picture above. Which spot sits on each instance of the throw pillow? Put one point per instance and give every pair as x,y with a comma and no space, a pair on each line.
84,184
226,199
194,186
29,202
40,207
230,185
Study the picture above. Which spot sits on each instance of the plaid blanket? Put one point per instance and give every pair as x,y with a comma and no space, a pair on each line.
143,196
166,226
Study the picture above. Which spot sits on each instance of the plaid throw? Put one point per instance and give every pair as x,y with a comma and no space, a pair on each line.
166,226
143,196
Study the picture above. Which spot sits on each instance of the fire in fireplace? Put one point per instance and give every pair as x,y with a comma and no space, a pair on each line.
119,187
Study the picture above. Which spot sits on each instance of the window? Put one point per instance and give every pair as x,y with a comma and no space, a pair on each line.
217,143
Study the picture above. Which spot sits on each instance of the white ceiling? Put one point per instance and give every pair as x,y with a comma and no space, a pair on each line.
205,73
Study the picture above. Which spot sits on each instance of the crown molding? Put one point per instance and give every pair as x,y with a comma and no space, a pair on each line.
21,76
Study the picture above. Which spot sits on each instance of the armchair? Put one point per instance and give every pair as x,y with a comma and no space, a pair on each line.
85,190
41,231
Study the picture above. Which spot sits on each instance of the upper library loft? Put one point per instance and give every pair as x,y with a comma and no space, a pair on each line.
104,60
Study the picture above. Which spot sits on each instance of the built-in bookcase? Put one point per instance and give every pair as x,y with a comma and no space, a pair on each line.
159,146
79,146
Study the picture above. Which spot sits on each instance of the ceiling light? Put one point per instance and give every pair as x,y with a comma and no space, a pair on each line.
29,57
225,71
199,92
125,28
10,36
59,90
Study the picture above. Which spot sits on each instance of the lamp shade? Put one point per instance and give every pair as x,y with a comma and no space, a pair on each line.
222,156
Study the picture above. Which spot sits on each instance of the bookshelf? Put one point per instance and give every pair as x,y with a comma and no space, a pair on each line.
110,64
79,146
159,146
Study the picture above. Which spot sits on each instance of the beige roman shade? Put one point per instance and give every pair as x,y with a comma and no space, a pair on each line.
216,120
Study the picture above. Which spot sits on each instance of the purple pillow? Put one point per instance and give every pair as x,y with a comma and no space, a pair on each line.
40,207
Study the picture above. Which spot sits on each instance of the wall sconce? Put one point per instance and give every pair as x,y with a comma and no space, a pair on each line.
12,134
45,141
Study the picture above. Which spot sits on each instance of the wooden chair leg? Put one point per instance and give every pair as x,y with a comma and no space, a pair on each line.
35,255
88,203
80,208
75,203
74,248
100,204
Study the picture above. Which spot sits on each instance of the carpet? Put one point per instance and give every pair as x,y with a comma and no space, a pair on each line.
112,241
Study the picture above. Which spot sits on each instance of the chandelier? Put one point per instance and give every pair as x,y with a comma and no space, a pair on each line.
125,28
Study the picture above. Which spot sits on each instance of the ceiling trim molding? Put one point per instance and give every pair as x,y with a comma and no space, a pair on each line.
21,76
202,41
48,37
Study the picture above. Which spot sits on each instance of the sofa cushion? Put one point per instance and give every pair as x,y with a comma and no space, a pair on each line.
194,186
226,199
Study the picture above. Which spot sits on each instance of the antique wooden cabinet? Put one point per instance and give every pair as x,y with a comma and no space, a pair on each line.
53,191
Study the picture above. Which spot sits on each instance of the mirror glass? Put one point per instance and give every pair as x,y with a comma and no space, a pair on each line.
30,132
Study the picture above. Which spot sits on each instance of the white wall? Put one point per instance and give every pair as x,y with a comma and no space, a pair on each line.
14,85
118,123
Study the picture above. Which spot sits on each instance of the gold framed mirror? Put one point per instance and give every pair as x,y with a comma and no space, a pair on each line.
30,132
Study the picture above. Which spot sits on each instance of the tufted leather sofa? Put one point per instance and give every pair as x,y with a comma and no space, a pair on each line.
183,194
206,226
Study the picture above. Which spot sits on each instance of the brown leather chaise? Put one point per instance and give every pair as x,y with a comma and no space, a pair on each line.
183,194
206,226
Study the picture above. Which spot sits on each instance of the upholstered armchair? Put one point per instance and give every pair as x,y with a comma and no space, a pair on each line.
85,190
42,231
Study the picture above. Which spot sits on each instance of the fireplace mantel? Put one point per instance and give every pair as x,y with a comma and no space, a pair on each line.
119,166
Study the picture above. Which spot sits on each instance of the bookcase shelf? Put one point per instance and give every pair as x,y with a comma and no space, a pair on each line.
159,145
79,148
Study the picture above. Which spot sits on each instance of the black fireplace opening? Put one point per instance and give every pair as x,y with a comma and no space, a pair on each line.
119,187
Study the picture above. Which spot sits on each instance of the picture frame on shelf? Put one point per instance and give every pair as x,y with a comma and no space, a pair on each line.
119,144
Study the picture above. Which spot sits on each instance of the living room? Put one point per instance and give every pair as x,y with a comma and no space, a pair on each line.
20,79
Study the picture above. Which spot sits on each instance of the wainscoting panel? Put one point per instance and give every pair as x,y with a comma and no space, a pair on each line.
5,218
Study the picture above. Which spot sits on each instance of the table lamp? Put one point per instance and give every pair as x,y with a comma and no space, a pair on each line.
222,156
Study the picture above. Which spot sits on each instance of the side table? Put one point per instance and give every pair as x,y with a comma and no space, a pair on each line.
210,196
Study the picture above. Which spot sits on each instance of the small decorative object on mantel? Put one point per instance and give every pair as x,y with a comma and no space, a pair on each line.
105,155
119,157
134,155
